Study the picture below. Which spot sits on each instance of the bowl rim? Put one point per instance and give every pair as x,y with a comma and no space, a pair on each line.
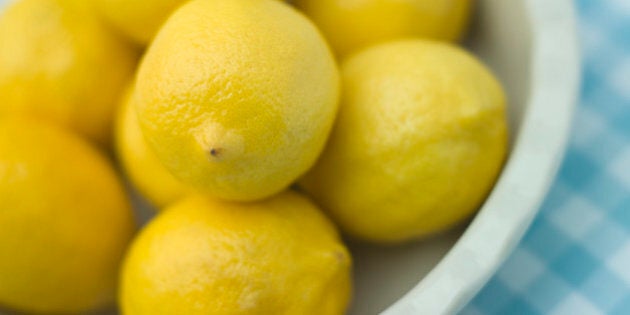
529,171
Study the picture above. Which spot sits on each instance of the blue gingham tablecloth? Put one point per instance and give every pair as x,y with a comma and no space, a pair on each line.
575,259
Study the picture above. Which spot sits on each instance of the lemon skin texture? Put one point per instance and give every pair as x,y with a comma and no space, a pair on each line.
237,98
65,220
141,166
420,138
356,24
60,63
203,256
139,20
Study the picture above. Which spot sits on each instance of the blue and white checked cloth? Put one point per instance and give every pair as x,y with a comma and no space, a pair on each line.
575,259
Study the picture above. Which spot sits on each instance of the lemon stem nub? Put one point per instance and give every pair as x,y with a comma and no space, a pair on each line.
215,152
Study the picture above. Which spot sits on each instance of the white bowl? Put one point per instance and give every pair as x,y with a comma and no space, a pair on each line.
532,46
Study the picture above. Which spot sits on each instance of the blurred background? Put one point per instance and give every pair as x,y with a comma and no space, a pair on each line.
575,259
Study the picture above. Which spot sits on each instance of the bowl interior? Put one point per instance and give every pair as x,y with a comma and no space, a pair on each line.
501,37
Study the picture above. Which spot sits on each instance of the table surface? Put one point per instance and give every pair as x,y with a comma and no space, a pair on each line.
575,259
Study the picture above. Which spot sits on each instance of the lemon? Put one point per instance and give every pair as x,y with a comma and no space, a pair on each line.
60,63
419,141
140,163
137,19
65,221
237,98
352,25
203,256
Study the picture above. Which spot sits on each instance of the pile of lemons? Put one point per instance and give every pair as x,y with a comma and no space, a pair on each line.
238,120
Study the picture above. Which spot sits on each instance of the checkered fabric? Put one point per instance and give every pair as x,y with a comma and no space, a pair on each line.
575,259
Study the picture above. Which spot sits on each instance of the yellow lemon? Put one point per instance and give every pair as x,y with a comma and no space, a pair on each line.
237,98
140,163
203,256
419,141
60,63
351,25
137,19
65,220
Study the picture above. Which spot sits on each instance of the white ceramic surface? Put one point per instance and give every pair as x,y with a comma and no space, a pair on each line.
531,45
